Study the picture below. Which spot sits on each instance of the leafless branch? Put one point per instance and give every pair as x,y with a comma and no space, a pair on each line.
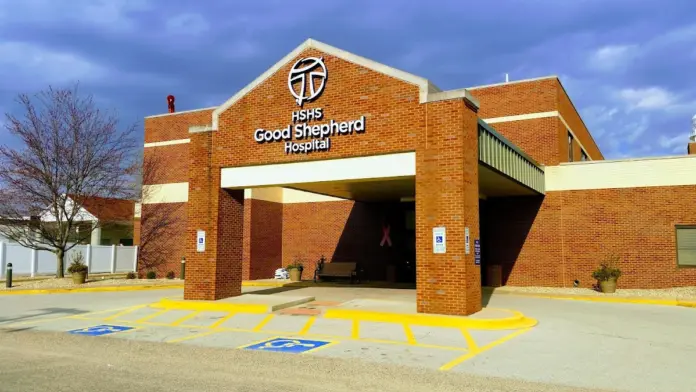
70,151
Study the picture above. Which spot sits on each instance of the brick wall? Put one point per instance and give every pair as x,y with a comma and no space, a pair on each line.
174,126
691,148
447,189
263,238
161,238
544,139
564,236
395,122
164,225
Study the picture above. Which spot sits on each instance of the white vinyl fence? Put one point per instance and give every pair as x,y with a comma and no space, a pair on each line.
99,259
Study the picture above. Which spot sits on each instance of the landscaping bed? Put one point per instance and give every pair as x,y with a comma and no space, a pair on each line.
681,293
67,283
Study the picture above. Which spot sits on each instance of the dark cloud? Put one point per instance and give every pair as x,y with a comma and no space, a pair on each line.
630,59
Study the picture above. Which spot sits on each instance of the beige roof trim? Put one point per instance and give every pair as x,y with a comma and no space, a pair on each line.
181,112
513,82
426,87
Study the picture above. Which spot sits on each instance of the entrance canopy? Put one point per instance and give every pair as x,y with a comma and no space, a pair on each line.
504,170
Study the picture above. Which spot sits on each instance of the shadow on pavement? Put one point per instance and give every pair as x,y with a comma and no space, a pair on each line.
42,313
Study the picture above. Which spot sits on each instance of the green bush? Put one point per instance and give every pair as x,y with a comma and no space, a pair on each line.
131,275
170,275
151,275
607,270
296,265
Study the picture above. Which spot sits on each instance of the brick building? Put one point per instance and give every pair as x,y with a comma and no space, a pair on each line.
393,163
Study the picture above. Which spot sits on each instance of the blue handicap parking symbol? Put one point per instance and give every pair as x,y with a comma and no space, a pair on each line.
100,330
285,345
438,239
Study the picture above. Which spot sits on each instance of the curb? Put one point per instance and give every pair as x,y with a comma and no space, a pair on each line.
517,321
591,298
213,306
251,283
88,290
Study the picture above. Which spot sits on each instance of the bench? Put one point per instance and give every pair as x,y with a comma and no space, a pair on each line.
337,270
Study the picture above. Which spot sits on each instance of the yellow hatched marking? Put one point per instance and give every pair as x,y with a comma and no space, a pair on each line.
185,318
355,332
457,361
194,336
125,312
470,343
263,323
222,320
151,316
307,326
409,335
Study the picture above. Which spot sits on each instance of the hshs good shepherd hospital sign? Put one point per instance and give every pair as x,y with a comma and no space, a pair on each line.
302,82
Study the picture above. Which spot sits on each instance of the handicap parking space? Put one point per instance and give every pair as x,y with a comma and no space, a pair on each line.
397,343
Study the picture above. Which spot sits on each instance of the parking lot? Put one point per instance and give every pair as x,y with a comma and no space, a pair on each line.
575,343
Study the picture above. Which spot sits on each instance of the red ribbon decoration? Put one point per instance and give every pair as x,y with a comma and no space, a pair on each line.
385,236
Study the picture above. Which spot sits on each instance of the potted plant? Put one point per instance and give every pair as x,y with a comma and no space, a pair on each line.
78,268
295,269
607,274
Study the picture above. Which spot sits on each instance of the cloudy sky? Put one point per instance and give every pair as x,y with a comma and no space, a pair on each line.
629,65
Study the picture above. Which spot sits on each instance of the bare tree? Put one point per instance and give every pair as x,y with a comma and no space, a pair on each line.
160,223
69,151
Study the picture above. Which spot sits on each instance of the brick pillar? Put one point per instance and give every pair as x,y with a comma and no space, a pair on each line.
691,148
447,196
217,272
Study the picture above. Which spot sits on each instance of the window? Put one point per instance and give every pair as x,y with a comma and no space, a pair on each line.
570,147
583,156
686,246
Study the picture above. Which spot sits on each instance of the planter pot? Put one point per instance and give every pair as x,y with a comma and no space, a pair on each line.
295,275
608,286
79,277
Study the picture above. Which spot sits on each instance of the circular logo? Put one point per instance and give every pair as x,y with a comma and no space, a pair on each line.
307,72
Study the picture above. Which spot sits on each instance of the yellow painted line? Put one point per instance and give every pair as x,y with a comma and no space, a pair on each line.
517,321
185,318
124,312
194,336
307,326
489,346
251,283
211,306
91,289
400,343
151,316
409,335
355,330
313,335
222,320
470,342
688,304
263,323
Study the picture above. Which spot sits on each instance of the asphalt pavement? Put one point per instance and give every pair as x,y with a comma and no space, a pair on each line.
48,361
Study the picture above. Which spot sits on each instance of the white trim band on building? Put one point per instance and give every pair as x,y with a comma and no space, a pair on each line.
630,173
166,193
533,116
287,196
347,169
167,143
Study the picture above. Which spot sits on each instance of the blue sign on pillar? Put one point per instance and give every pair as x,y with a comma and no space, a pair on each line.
477,252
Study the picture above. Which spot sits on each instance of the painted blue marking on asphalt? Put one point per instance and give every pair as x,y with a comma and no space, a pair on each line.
285,345
100,330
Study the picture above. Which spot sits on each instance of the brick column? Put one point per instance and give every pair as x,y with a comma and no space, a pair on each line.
217,272
691,148
447,196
